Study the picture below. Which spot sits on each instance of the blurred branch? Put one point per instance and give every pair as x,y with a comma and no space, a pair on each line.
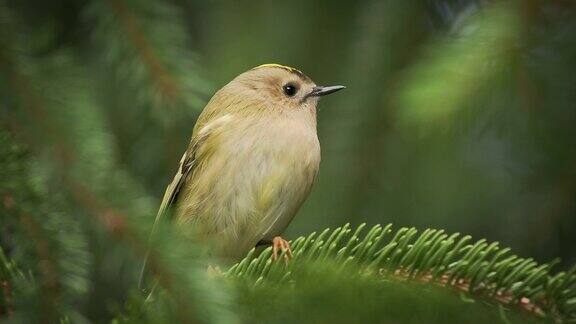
50,288
87,173
164,81
9,273
143,45
116,224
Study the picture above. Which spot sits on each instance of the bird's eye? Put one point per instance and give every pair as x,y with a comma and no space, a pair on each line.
289,89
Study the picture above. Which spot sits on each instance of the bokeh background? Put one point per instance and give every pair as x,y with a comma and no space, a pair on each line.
458,114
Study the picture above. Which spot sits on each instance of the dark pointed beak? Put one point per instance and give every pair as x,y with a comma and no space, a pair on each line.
319,91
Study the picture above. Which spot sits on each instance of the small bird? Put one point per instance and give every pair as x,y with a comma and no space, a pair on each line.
251,162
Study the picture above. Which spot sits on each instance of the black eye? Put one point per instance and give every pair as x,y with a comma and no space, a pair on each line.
289,89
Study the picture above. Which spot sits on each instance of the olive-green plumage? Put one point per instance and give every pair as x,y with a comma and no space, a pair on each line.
251,162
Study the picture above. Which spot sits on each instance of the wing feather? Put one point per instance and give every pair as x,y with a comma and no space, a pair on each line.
184,174
173,189
185,169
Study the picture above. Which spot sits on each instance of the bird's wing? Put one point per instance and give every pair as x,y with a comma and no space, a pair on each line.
186,168
188,162
173,189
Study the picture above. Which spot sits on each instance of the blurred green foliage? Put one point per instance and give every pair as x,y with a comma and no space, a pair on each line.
320,296
459,114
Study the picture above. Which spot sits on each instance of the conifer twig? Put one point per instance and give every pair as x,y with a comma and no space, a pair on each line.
160,76
479,269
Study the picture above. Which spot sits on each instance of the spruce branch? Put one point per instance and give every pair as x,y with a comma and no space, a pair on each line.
161,78
50,289
89,182
143,46
479,269
125,228
9,274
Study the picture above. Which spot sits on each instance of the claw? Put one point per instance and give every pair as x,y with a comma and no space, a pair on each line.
280,244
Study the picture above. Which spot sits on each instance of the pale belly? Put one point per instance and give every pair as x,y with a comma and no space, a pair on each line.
250,193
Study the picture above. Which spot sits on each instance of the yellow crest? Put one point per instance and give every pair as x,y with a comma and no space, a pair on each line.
280,66
288,68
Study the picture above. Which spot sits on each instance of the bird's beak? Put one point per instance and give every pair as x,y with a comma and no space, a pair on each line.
319,91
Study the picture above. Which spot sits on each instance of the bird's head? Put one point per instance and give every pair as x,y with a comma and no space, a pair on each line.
278,87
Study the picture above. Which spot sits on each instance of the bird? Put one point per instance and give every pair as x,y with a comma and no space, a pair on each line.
251,162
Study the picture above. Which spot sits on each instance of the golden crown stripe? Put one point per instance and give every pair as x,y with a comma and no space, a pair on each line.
291,69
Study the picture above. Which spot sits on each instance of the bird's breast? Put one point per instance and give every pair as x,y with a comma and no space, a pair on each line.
271,168
254,181
274,160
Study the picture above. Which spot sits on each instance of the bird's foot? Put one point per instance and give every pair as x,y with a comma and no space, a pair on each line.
281,245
